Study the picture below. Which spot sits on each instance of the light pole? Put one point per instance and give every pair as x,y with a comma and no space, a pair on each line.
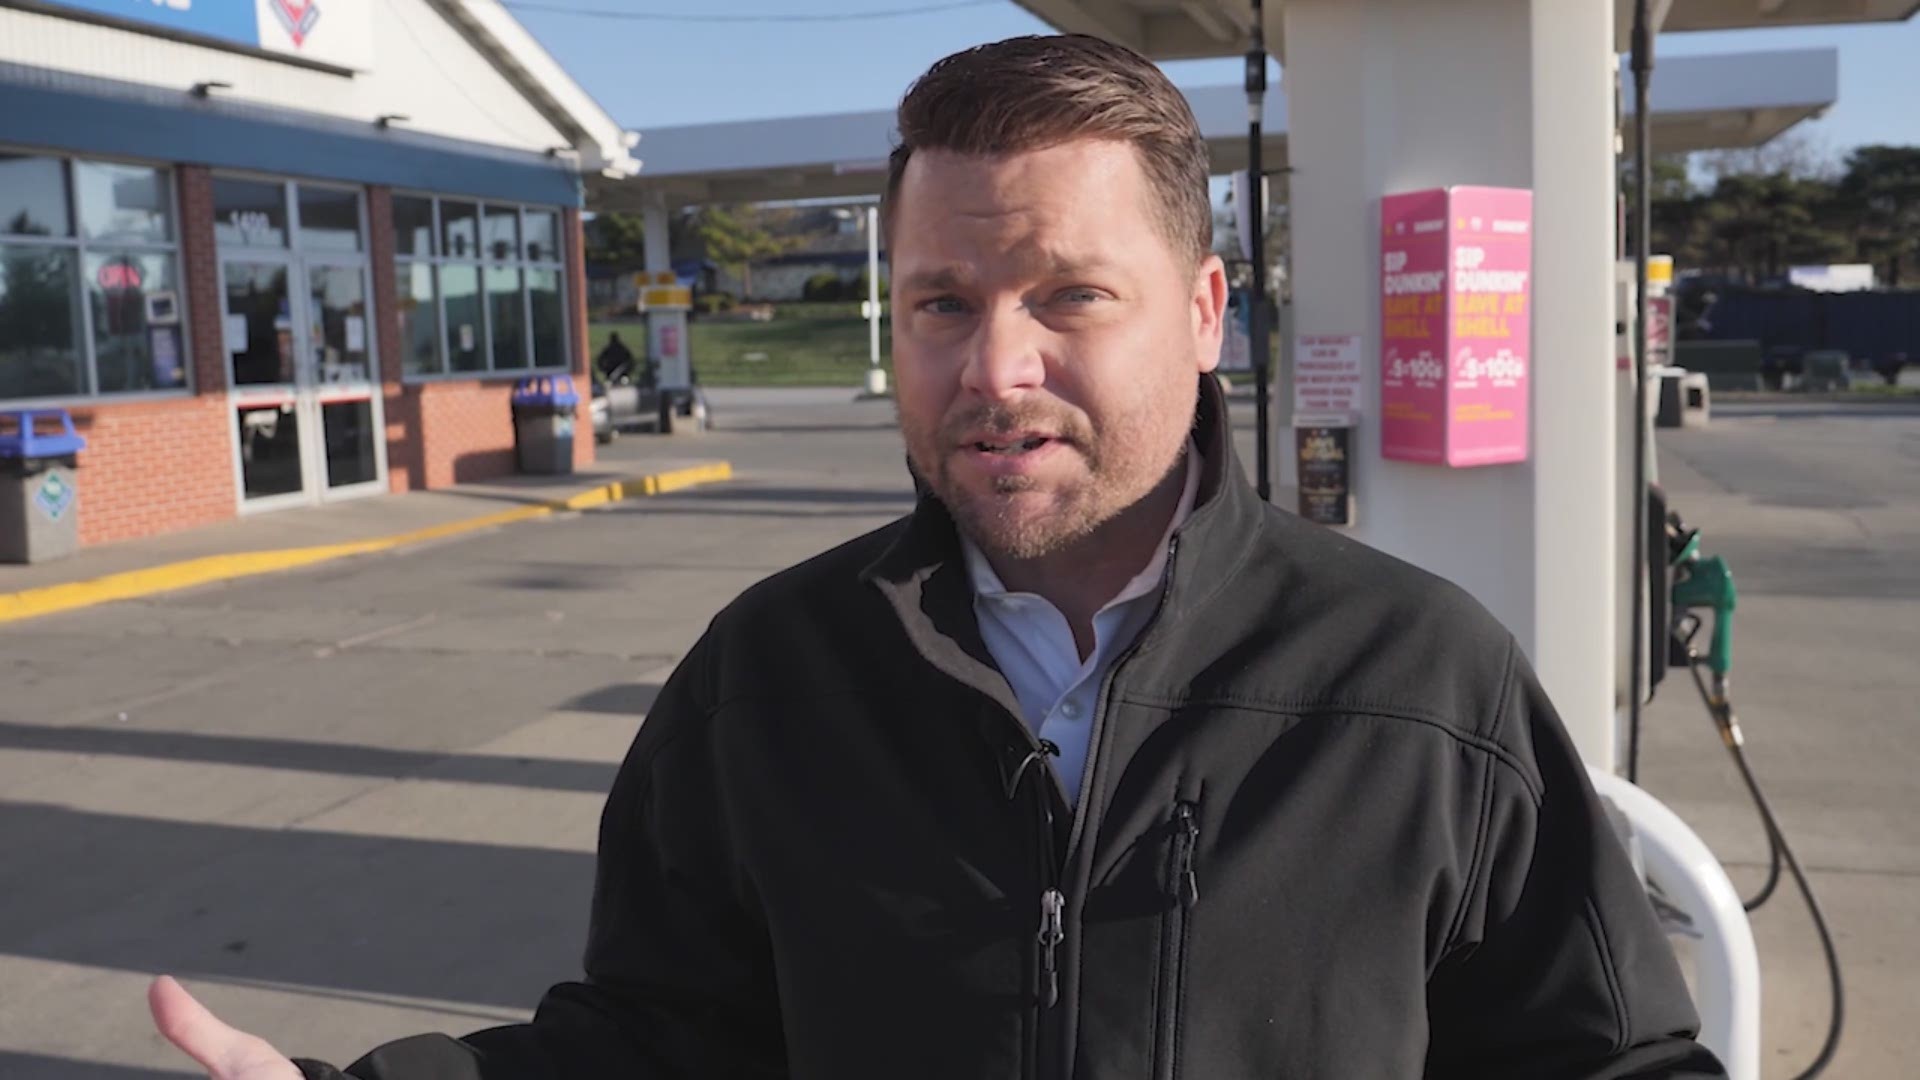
876,375
1257,216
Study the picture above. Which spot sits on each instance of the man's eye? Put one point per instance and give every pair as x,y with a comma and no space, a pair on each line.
1078,296
944,305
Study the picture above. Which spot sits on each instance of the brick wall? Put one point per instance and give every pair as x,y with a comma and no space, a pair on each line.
466,428
157,466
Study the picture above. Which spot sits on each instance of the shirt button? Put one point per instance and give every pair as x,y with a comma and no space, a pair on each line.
1070,710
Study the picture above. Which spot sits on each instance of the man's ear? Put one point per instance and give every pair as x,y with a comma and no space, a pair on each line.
1209,310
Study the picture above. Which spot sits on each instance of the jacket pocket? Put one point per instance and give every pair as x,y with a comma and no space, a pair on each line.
1183,888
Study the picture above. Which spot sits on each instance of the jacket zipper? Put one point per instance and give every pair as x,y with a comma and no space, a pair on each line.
1059,1060
1184,885
1044,967
1052,930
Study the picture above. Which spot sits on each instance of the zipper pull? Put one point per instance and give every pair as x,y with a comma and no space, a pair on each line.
1190,832
1052,907
1044,749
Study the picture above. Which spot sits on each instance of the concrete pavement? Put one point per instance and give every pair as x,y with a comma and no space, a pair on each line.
358,801
270,543
1817,509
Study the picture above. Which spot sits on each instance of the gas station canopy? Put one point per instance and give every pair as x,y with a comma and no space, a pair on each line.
1699,103
1192,29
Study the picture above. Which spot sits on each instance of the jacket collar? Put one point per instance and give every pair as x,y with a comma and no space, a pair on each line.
924,576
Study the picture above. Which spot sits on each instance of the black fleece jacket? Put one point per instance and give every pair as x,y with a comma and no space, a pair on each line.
1331,829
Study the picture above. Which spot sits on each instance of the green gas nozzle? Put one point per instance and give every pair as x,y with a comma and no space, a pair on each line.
1704,582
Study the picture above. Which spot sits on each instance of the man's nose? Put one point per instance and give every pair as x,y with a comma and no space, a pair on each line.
1007,356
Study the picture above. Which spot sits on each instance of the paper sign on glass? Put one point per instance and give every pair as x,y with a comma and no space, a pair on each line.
1326,373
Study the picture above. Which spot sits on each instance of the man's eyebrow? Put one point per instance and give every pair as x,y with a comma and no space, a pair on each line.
1047,264
1056,264
941,277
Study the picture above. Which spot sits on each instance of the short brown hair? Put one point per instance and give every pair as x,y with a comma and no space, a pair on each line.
1032,93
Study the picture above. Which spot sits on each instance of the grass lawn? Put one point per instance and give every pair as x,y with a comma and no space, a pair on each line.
806,349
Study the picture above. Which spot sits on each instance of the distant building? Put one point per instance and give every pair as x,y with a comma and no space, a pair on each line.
279,254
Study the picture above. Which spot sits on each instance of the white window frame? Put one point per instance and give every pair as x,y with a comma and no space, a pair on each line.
481,262
299,259
92,396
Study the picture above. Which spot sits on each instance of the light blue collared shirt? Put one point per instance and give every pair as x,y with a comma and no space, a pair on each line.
1033,645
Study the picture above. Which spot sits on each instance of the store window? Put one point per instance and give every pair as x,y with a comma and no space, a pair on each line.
480,286
90,288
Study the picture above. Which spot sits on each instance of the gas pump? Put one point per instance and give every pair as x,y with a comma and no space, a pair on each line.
665,302
1686,621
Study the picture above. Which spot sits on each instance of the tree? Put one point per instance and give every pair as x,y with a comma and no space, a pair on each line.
619,239
1673,206
737,237
1759,226
1880,194
1801,155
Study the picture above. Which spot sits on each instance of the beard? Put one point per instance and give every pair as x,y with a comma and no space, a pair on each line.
1022,518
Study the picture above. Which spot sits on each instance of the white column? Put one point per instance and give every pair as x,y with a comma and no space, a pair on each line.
654,232
876,376
1401,95
1575,570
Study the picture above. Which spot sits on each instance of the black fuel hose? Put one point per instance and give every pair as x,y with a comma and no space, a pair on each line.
1722,711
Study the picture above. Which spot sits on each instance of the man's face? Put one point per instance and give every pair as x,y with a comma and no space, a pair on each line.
1047,339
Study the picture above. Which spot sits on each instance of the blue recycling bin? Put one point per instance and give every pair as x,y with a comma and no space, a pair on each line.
544,407
39,485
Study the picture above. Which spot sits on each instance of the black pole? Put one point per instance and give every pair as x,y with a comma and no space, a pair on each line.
1257,221
1642,61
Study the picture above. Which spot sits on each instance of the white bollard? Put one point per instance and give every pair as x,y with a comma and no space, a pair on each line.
1687,876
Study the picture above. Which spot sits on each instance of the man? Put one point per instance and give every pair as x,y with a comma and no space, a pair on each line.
615,360
1095,765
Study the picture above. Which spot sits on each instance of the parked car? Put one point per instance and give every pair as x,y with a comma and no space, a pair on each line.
622,404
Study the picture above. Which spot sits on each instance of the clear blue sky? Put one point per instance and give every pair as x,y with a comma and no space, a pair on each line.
654,74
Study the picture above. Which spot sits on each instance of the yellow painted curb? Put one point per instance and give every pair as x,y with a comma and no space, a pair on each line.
32,603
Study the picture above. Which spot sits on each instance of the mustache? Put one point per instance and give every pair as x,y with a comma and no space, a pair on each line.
1004,419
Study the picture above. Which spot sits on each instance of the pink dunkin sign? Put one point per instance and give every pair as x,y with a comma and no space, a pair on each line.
1456,289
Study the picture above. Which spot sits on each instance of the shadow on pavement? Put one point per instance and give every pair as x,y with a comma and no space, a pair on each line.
1873,410
464,922
878,513
737,492
544,774
748,427
620,699
1784,566
18,1066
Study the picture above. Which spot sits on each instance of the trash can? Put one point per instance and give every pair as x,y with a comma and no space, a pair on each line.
543,416
39,491
1670,410
1696,405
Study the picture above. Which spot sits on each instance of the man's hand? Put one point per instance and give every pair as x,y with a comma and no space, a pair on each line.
226,1054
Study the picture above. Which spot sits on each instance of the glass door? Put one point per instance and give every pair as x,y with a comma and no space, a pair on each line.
265,339
342,378
300,342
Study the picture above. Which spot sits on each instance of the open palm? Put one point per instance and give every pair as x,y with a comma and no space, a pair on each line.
225,1052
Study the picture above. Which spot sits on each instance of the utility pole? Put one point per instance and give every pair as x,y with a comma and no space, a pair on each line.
1257,217
1642,60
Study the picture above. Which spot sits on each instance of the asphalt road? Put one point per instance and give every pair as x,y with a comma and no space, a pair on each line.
359,802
